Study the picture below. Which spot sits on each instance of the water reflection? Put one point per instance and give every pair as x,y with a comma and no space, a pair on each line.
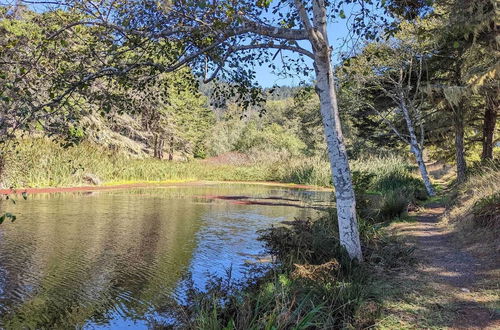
115,258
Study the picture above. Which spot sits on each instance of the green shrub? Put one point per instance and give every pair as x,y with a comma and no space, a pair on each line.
271,138
394,204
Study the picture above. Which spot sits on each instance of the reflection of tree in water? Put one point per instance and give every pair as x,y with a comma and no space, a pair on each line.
123,258
75,259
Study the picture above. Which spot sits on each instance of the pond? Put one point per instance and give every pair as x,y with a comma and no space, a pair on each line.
115,259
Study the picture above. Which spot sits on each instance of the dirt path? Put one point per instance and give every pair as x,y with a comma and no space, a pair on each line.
454,275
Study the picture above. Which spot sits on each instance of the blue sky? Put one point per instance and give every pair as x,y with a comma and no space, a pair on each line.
337,32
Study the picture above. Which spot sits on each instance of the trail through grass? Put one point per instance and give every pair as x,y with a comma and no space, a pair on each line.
450,288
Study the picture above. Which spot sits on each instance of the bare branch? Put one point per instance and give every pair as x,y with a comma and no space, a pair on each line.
270,45
389,123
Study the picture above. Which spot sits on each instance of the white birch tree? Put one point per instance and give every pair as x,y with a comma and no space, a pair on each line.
396,72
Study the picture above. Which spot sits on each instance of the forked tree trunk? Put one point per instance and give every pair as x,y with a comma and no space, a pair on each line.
490,119
417,150
459,149
341,174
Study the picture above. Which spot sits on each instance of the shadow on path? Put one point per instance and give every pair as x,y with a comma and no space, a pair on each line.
451,271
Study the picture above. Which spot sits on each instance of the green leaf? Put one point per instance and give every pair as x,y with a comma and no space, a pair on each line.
7,215
263,3
456,44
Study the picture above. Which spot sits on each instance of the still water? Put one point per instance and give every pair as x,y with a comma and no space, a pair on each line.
115,259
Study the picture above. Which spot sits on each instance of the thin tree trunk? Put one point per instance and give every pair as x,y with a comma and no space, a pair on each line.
417,150
171,150
2,167
325,88
459,149
423,169
490,119
160,148
341,174
155,145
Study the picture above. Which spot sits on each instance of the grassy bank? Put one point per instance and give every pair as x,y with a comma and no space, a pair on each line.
474,208
44,163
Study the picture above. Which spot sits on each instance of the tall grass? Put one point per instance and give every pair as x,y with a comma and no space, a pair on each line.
390,173
43,163
311,171
390,185
475,206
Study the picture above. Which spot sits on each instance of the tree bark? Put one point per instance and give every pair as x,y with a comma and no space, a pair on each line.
341,174
161,145
155,146
171,149
417,150
2,167
337,153
490,119
419,155
158,146
459,149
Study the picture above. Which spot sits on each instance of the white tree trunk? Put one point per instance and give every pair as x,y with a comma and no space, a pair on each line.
325,88
341,174
417,150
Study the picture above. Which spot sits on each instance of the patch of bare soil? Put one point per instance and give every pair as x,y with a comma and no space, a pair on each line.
453,272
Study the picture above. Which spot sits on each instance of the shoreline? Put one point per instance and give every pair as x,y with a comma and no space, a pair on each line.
148,184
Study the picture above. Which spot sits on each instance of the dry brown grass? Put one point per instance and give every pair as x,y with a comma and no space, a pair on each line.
475,211
322,273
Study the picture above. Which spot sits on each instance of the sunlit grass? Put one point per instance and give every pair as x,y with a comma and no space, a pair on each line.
474,208
43,163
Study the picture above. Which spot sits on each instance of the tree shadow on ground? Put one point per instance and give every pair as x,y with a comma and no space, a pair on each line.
448,288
